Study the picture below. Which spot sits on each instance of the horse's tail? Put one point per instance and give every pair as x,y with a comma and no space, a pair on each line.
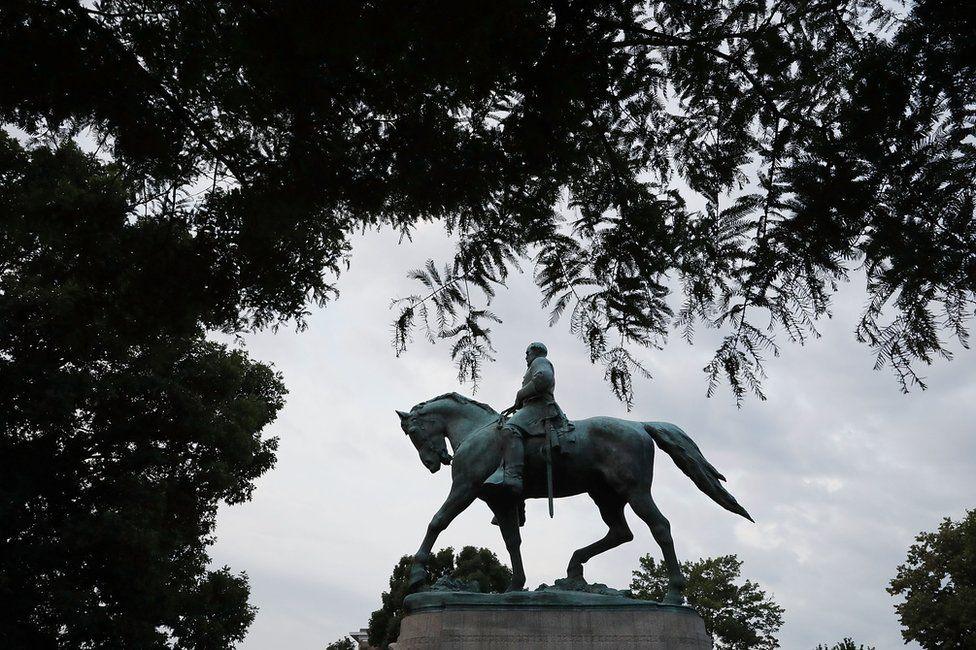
686,455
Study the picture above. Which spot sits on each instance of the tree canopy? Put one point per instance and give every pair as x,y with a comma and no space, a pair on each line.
471,565
345,643
938,585
659,165
739,617
122,425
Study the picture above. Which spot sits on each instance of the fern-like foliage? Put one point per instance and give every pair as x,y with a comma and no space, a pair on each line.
689,164
447,312
816,149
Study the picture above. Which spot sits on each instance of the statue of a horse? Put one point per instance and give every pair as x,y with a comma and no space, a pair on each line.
612,460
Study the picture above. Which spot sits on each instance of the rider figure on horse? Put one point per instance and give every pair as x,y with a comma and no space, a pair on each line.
535,413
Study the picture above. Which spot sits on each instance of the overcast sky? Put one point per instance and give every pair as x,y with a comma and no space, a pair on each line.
839,469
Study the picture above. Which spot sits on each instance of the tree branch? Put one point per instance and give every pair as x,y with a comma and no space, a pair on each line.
109,38
660,39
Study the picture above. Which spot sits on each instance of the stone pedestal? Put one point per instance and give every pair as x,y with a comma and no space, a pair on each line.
549,619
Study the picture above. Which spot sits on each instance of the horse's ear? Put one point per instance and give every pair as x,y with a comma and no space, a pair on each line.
403,416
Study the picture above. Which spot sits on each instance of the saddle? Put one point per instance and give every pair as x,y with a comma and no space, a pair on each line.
565,436
562,434
563,442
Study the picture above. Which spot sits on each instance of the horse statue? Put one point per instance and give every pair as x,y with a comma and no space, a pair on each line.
610,459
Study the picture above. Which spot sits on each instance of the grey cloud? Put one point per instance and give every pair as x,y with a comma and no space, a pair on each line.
839,469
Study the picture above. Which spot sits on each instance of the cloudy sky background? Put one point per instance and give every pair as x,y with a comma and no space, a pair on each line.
839,469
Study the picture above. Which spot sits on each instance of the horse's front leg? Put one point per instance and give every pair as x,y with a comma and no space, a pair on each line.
461,495
507,515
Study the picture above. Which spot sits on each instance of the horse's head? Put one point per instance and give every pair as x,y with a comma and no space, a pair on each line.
426,432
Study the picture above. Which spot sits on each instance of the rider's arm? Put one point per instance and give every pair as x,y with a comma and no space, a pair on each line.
542,380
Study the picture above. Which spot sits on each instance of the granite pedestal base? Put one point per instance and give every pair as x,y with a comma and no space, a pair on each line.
550,620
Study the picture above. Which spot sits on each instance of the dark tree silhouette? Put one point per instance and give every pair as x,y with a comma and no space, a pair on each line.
122,426
471,564
938,584
345,643
746,155
739,617
846,644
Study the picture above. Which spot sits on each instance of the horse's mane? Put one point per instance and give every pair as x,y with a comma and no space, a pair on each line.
456,397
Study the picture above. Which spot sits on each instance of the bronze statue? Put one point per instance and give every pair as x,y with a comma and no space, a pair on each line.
534,413
608,458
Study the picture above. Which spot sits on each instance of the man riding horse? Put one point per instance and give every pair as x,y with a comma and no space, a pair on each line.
612,462
534,413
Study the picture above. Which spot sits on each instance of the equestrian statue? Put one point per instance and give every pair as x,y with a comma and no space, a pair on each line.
538,453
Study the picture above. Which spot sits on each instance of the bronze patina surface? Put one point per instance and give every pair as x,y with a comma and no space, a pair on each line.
609,459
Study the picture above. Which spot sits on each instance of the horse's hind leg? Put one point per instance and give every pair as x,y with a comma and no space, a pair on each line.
506,513
459,498
612,510
645,508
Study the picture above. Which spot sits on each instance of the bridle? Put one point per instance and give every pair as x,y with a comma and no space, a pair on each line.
416,423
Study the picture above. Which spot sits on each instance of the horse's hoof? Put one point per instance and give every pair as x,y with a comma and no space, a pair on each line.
418,576
575,573
515,587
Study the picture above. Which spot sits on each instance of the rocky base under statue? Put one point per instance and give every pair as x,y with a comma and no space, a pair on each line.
550,617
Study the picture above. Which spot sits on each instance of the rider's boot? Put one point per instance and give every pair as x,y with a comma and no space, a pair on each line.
514,463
